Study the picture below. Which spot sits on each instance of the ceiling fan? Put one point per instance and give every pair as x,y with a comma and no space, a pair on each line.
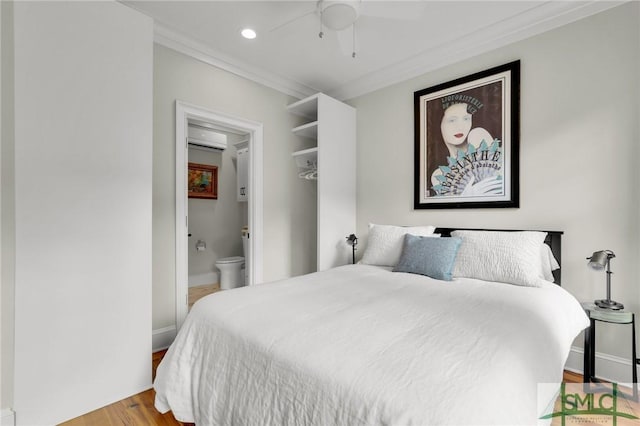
341,16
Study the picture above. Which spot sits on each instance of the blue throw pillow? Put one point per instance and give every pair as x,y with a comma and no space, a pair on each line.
433,257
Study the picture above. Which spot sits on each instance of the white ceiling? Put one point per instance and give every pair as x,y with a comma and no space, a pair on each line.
395,40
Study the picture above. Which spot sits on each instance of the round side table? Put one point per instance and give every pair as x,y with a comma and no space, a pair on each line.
614,317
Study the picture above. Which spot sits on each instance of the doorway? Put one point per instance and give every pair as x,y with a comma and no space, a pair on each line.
225,122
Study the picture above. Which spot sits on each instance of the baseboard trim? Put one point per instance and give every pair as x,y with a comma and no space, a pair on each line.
203,279
608,367
162,338
7,417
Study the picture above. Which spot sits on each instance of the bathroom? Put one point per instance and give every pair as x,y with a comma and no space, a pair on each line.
217,208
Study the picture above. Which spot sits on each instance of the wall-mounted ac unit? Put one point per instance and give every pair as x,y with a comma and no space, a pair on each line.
206,139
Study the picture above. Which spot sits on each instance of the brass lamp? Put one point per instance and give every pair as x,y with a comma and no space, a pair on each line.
598,261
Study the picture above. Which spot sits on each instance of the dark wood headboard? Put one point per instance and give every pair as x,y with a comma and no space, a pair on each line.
554,240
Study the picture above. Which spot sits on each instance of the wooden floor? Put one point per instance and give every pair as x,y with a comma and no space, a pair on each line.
200,291
135,410
139,409
623,405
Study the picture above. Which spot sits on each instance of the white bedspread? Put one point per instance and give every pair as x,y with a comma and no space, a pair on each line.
360,345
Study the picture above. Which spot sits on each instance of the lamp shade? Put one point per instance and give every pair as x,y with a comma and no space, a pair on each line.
598,259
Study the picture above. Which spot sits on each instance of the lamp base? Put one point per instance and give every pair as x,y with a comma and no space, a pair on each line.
609,304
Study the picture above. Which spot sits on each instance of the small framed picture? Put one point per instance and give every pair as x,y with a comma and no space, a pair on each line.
467,141
202,181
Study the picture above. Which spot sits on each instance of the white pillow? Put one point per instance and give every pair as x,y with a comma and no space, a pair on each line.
384,246
548,262
507,257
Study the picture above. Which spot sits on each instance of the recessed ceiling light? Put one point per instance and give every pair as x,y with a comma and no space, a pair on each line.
248,33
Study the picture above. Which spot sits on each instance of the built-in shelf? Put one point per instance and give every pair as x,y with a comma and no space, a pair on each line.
308,130
307,107
331,125
307,158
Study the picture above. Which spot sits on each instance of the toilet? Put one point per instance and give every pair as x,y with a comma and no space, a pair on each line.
233,272
231,275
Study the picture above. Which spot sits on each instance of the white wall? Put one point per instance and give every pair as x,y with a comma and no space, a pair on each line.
579,152
1,120
216,222
288,202
7,231
83,121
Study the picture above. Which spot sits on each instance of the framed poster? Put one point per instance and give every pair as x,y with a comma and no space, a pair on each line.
202,181
467,141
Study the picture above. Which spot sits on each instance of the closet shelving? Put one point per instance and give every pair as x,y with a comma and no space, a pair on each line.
306,159
309,130
307,107
307,162
331,124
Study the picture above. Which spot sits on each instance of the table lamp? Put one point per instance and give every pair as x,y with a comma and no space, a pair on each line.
598,261
352,240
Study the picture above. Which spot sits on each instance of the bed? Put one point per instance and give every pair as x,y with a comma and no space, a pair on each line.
363,345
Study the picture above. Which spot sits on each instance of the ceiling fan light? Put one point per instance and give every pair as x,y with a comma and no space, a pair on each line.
339,16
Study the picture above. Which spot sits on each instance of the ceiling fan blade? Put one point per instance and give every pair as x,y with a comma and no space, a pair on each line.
400,10
292,20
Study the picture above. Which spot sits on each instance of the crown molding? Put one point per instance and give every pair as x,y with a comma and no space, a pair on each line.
547,16
174,40
542,18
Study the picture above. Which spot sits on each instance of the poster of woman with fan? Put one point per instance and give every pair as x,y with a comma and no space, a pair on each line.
467,141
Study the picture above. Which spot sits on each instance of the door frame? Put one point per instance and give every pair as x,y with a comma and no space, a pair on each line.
184,112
